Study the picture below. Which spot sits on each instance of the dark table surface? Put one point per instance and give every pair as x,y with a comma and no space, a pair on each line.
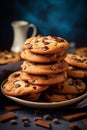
33,112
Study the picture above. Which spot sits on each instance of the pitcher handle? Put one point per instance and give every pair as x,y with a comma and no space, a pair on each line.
34,29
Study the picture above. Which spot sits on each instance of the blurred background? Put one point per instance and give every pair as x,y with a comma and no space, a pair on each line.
64,18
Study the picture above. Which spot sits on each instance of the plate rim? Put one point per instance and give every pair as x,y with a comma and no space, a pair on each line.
43,104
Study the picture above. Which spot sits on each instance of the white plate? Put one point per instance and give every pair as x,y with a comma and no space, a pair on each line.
45,104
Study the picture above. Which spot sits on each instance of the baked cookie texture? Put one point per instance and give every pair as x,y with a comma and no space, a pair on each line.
39,58
77,60
43,69
45,44
18,87
69,86
77,65
76,72
7,57
44,79
44,73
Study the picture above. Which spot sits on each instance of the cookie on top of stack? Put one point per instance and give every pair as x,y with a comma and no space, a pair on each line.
43,73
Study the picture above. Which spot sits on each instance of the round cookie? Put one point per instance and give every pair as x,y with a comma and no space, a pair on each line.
77,60
38,58
41,69
81,51
69,86
19,88
7,57
45,44
76,72
54,97
44,79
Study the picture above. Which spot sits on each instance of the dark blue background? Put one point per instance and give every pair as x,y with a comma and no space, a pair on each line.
64,18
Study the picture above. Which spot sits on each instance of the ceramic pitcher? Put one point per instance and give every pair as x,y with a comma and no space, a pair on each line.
20,29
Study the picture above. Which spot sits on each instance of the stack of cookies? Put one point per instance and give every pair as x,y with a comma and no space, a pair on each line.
43,74
44,62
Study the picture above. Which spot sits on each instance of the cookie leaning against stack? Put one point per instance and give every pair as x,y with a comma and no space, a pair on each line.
77,66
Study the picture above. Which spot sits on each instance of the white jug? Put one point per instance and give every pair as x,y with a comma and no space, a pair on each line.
20,29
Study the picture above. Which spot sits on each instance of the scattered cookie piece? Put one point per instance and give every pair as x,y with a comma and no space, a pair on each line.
13,122
55,121
7,116
74,126
43,124
74,116
47,117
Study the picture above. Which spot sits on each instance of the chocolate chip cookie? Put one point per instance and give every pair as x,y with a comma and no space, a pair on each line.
44,79
76,72
77,60
47,69
45,44
18,87
69,86
39,58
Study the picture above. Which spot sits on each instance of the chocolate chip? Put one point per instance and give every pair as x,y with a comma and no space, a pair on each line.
34,87
45,48
16,75
34,80
26,123
30,46
55,121
46,43
59,39
47,117
53,67
24,68
26,83
13,122
16,84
